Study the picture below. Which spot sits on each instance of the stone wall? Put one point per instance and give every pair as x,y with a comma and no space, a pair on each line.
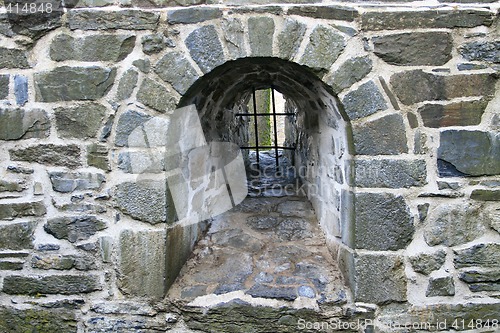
398,129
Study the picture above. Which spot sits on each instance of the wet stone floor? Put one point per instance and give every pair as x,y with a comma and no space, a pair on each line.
268,247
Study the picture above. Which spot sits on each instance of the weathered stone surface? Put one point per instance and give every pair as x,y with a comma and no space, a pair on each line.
101,47
384,271
425,263
127,84
17,185
481,51
104,20
127,123
155,43
364,101
48,154
205,48
81,121
390,173
4,85
144,65
97,156
52,284
324,47
382,222
27,320
294,228
440,286
260,36
193,15
11,265
372,138
63,262
17,236
66,182
485,195
234,35
21,89
74,228
139,251
418,86
9,211
473,153
157,96
290,38
13,58
480,255
470,66
265,291
325,12
350,72
18,124
453,114
141,162
414,49
412,19
73,83
452,225
176,69
483,280
143,200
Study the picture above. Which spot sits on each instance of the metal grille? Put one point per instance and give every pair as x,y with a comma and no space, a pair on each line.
274,115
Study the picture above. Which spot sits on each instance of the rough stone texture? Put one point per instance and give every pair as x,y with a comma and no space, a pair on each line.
426,263
64,262
481,51
382,222
413,19
483,280
479,255
13,58
4,85
384,271
418,86
453,225
205,48
101,47
453,114
157,96
66,182
17,236
97,156
234,35
127,123
73,83
81,121
470,66
49,154
324,47
485,195
143,200
41,320
18,124
260,36
21,89
193,15
325,12
10,211
415,48
127,84
138,252
473,153
364,101
176,69
350,72
372,138
74,228
52,284
440,286
155,43
290,37
143,162
390,173
104,20
17,185
262,290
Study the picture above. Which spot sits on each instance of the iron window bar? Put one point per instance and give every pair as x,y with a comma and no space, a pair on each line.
274,114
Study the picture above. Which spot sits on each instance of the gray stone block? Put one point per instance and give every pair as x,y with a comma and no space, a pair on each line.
63,262
51,284
390,173
382,222
267,291
329,12
155,43
176,69
260,36
66,182
129,19
324,47
481,51
350,72
290,38
414,48
10,211
479,255
13,58
45,320
80,122
481,280
74,228
21,89
234,35
4,85
48,154
157,96
379,279
205,48
454,114
127,123
485,195
19,123
193,15
425,263
364,101
440,286
17,236
372,138
97,156
73,83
